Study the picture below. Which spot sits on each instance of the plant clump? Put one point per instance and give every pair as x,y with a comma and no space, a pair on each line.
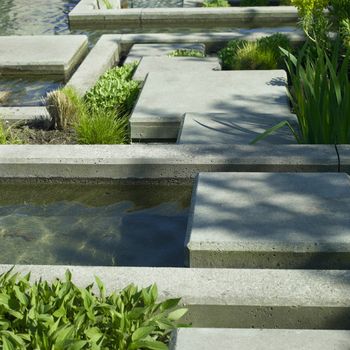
216,3
262,54
62,316
186,53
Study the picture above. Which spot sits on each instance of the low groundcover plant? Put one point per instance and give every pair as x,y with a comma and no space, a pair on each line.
62,316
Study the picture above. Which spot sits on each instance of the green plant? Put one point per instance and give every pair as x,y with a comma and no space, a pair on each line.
106,3
262,54
114,90
216,3
7,136
320,96
64,107
186,53
254,2
102,127
62,316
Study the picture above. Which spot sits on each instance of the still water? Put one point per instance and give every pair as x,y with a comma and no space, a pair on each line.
93,224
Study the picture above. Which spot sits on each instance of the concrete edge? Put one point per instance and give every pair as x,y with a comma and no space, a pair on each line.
12,115
144,161
238,298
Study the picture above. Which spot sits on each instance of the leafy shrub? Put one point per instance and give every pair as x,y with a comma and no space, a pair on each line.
62,316
254,2
262,54
310,7
216,3
102,128
186,53
114,90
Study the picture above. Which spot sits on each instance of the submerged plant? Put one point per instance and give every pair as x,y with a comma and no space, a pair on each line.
61,315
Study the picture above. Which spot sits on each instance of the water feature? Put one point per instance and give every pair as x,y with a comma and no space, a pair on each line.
93,224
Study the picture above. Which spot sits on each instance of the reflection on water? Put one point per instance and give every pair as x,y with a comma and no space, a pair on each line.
131,225
27,91
155,3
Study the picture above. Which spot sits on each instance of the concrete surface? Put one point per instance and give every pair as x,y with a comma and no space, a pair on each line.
259,339
42,54
104,55
166,97
208,128
175,65
155,161
11,115
344,157
237,298
270,220
138,51
198,17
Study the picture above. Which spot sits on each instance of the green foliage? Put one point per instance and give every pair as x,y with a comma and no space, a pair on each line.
7,136
106,3
114,90
102,128
262,54
186,53
62,316
254,2
310,7
216,3
320,96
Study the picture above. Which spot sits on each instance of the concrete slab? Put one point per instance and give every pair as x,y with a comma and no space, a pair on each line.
138,51
259,339
176,65
154,161
235,129
236,298
42,55
344,158
11,115
166,97
270,220
104,55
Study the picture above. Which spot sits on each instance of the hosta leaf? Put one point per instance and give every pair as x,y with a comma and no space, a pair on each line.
169,304
141,333
177,314
147,344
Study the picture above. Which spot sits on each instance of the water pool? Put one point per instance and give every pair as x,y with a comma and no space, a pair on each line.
93,224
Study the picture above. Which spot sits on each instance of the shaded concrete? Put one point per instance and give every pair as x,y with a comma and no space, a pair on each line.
138,51
155,161
270,220
238,298
258,339
11,115
175,65
234,128
166,97
42,54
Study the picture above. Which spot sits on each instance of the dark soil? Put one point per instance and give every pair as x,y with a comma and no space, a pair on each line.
39,132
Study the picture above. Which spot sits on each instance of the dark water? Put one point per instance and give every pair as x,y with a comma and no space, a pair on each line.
84,224
154,3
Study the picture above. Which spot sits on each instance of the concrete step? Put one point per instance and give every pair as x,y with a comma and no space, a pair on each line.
175,65
138,51
234,298
166,97
270,220
259,339
42,54
241,129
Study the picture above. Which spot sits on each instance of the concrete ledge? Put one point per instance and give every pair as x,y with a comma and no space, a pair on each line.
270,220
344,158
199,17
103,56
232,298
11,115
155,161
259,339
42,55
